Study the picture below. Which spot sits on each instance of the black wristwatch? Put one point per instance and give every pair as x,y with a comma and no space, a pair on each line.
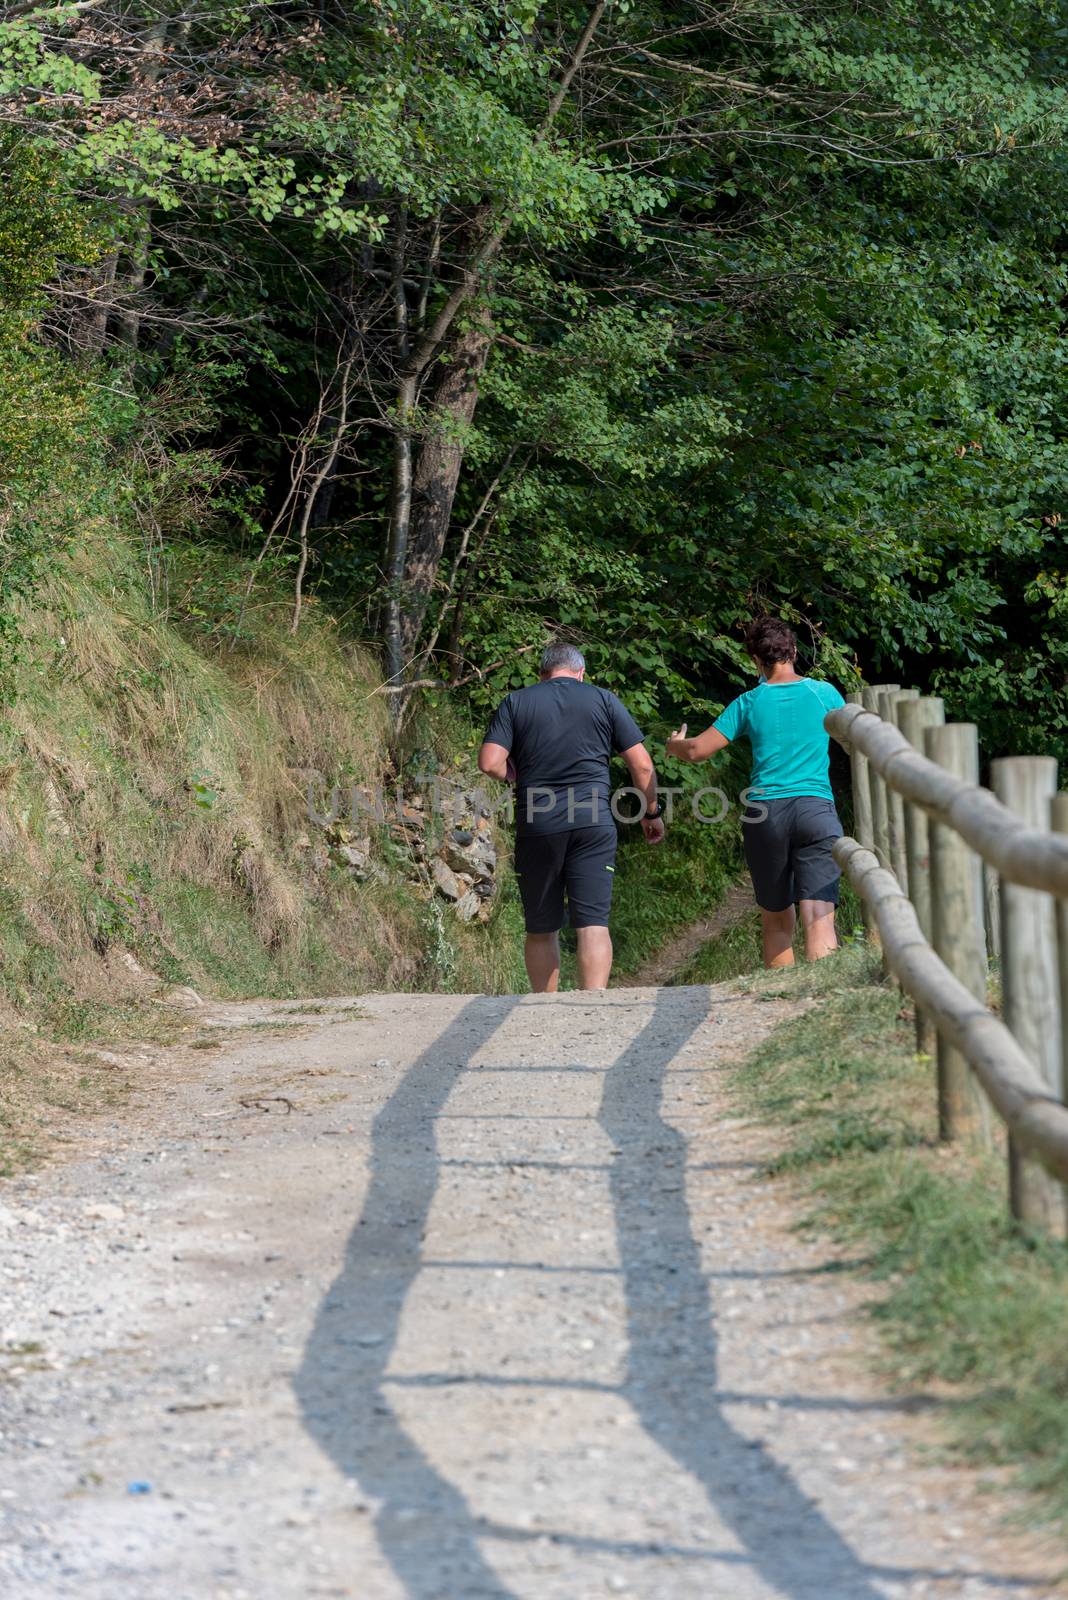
654,816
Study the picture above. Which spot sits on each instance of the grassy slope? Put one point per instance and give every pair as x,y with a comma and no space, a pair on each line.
964,1299
155,802
154,829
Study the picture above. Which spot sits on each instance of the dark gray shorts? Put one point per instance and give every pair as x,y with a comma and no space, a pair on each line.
578,863
789,853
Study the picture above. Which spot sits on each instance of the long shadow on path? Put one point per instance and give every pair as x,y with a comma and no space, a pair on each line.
671,1371
424,1525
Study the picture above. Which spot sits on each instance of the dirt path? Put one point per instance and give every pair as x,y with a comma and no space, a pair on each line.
672,957
449,1298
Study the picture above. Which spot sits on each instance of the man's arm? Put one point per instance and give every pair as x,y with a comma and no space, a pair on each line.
494,762
494,759
699,748
643,777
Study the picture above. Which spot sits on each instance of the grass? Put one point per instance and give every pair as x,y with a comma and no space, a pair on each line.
965,1301
734,952
46,1090
661,888
737,951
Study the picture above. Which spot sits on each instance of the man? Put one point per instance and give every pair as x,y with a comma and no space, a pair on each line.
788,841
554,740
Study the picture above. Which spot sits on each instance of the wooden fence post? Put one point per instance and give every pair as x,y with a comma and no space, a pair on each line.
914,717
860,772
992,906
895,805
1059,823
957,929
1031,984
880,819
861,775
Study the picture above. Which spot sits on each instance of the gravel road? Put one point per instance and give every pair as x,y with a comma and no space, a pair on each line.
429,1298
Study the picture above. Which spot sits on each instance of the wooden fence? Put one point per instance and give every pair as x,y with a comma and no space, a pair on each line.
956,880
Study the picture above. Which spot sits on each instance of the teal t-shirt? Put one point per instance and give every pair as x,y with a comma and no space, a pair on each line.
784,724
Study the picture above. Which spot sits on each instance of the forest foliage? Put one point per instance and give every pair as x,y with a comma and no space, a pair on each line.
477,322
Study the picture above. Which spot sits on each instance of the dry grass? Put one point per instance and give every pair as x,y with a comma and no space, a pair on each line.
154,827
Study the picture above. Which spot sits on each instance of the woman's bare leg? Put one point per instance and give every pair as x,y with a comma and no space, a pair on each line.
817,918
777,929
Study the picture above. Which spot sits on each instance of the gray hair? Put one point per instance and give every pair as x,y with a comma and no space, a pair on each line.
559,655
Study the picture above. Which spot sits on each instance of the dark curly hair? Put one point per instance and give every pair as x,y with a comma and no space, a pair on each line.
770,640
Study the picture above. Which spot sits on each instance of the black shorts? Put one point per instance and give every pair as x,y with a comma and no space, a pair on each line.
579,863
789,853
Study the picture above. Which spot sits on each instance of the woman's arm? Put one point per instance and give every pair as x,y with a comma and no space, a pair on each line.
699,748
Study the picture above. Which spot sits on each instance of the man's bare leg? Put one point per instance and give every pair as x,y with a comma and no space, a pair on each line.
777,931
817,917
542,956
594,957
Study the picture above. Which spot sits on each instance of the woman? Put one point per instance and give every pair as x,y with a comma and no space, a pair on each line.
793,825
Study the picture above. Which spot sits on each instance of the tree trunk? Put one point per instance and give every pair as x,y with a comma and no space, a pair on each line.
400,509
91,326
128,320
400,522
437,471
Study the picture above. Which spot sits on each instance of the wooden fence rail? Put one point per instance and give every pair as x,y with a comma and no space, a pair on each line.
1017,1092
950,874
1019,854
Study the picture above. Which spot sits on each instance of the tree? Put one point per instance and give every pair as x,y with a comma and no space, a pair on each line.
621,319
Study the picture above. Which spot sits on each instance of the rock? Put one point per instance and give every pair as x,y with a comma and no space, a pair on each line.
468,906
103,1211
455,857
180,994
355,855
477,858
131,963
485,888
445,880
349,848
476,844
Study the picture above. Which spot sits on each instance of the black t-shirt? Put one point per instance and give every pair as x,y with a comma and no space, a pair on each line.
561,734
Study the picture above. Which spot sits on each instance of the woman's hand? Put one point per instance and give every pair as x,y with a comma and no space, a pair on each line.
678,744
